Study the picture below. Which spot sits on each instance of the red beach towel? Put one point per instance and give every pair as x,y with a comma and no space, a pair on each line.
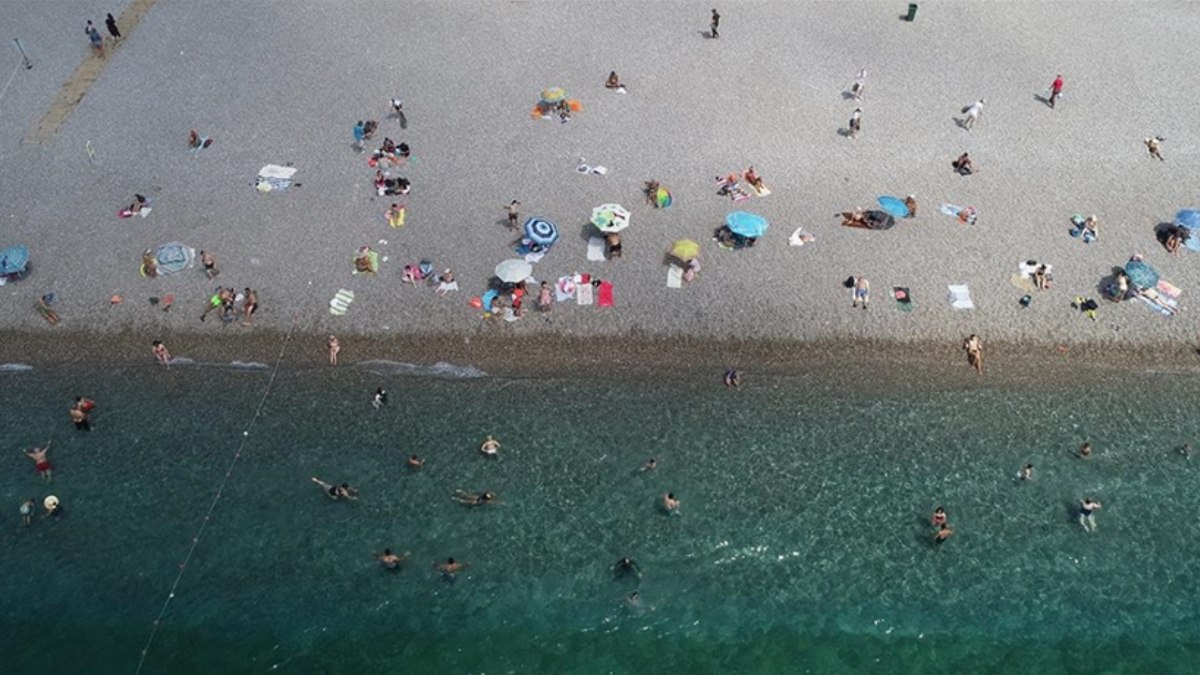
605,298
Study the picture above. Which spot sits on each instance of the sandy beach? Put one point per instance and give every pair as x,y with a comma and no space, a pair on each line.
284,83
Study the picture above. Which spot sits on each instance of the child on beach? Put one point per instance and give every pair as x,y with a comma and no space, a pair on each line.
160,353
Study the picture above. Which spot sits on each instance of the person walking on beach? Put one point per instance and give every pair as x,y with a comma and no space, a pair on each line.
1152,144
512,210
210,265
249,305
360,136
855,124
334,347
111,24
1055,90
973,345
733,378
160,353
859,86
389,560
715,24
398,111
861,293
27,508
972,114
1087,507
94,38
41,463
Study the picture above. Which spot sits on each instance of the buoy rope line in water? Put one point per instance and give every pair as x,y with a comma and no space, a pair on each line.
217,497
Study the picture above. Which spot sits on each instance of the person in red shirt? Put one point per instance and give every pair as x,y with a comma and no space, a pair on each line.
1056,89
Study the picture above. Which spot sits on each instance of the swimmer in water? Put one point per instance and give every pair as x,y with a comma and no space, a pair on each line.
650,465
474,498
415,462
389,560
1087,507
27,508
1085,451
337,492
939,517
626,567
1027,472
449,568
79,413
670,503
380,398
490,447
40,463
944,532
1186,450
733,378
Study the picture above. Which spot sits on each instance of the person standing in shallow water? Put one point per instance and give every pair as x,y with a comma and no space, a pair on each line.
334,347
160,353
973,345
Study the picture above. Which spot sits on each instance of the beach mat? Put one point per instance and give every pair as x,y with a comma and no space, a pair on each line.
583,294
341,302
903,298
761,191
595,249
960,297
674,276
605,297
564,289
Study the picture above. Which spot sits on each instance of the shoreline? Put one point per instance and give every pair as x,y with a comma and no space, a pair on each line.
853,362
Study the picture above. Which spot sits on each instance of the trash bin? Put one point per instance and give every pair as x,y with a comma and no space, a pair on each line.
912,12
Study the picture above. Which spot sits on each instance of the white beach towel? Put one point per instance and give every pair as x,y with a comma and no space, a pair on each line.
960,297
564,289
674,276
595,249
800,238
1028,267
535,256
583,295
341,302
276,171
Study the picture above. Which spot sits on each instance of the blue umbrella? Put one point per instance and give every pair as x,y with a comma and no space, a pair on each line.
1141,274
1189,220
13,260
749,225
541,231
894,206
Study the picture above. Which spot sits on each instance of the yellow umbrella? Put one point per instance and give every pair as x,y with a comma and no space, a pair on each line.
553,94
685,249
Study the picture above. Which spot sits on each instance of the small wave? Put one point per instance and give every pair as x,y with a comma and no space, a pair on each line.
181,361
15,368
248,365
440,369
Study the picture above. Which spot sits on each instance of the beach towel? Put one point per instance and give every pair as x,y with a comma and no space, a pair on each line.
800,238
594,170
674,276
960,297
605,297
583,294
903,298
535,256
595,249
761,190
740,196
1164,299
274,177
564,289
965,214
341,302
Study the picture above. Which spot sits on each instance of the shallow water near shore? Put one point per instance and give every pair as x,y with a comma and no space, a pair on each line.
802,544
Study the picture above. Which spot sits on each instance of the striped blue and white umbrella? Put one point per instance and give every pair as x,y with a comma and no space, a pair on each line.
541,231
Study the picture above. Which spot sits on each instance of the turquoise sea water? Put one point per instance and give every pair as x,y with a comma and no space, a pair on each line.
802,544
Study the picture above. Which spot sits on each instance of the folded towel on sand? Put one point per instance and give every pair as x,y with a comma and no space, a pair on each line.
564,289
960,297
595,249
583,294
605,297
274,177
674,276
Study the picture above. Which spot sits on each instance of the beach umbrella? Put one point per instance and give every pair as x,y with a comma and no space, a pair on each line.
541,231
685,249
13,260
513,271
662,197
750,225
174,257
1141,274
1189,220
610,217
894,206
553,94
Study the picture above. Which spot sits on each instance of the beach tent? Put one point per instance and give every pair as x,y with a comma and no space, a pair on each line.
541,231
174,257
745,224
610,218
1141,274
1189,219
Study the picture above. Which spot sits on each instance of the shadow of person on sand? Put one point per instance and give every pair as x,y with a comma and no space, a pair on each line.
961,122
847,95
1043,100
843,132
1107,283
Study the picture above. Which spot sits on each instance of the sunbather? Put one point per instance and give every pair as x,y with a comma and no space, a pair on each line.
613,82
613,241
1175,239
651,191
1041,278
753,178
855,218
963,165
